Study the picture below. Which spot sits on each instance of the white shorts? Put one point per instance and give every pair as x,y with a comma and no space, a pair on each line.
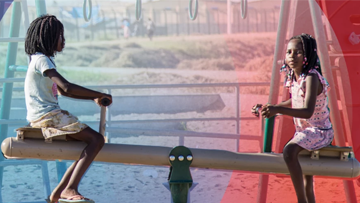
58,122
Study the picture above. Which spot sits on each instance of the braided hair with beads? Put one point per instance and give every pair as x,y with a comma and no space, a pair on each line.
43,35
311,59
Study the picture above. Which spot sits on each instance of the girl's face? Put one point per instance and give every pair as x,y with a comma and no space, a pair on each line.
295,55
61,43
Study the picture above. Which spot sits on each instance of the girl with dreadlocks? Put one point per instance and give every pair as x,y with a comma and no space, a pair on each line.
45,38
308,105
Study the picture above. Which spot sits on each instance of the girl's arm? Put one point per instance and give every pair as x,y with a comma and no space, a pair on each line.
312,87
256,107
63,93
286,103
72,90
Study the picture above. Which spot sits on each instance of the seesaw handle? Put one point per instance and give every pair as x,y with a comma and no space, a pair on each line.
104,102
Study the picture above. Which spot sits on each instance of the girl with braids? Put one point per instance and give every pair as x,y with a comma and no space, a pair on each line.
309,108
45,38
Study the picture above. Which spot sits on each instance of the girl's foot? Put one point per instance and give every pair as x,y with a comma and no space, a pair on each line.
55,195
71,194
66,193
76,197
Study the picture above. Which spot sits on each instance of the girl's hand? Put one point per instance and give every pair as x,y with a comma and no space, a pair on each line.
255,109
98,100
268,111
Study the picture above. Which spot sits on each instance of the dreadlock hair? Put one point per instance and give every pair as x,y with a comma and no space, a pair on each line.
43,35
309,49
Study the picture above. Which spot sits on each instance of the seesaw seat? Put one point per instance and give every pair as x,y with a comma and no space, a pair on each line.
28,132
330,151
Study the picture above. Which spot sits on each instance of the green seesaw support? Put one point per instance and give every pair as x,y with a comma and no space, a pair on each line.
180,179
268,134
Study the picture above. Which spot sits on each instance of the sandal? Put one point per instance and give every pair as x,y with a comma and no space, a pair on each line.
75,199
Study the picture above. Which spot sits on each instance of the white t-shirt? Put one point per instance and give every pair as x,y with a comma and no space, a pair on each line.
40,90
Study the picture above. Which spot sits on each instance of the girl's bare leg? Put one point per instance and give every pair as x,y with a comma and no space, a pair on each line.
55,195
291,152
309,189
68,186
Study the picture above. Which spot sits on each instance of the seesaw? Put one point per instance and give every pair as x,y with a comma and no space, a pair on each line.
329,161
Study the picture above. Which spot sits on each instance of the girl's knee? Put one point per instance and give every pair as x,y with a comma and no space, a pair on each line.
95,139
290,152
99,140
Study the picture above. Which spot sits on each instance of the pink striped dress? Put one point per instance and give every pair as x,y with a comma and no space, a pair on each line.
316,132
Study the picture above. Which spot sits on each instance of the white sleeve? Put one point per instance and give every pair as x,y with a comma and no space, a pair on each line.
43,64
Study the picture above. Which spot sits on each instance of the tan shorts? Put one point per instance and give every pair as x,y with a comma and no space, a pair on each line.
58,122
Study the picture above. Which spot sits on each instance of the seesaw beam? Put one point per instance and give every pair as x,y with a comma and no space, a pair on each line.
202,158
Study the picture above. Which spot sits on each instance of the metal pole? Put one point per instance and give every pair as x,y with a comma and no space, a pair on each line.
275,80
208,21
77,29
182,140
187,26
2,9
279,50
265,20
274,21
198,23
177,11
92,28
218,21
237,117
166,26
2,14
116,24
257,20
7,87
40,7
26,14
10,60
228,17
248,23
238,13
102,125
108,118
326,71
104,21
